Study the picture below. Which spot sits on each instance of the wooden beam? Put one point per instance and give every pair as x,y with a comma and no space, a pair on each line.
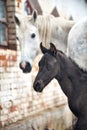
29,5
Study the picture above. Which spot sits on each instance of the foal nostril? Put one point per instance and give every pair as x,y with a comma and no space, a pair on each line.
25,66
37,86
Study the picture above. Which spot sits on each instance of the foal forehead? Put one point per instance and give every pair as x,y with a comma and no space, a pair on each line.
49,58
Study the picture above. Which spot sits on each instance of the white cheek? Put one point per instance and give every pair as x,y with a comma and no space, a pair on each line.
29,50
34,42
29,46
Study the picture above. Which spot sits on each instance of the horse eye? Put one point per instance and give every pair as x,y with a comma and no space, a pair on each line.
33,35
17,38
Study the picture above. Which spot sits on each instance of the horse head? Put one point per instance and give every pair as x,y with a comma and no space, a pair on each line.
34,29
48,68
28,38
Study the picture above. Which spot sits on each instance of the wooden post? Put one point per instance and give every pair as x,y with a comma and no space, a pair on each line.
29,5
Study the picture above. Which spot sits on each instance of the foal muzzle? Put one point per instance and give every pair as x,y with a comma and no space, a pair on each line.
38,86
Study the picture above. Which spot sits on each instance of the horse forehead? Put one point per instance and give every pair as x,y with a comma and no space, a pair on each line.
50,58
27,29
27,25
26,19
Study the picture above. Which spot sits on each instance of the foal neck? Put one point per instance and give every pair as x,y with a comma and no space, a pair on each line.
68,74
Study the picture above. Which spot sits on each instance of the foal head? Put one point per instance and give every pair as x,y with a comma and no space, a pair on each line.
48,68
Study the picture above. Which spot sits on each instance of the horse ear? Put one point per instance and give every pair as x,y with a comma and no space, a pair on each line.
53,48
43,49
16,19
34,14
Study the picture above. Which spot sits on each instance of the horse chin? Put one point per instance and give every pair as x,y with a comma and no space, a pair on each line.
39,85
38,89
26,71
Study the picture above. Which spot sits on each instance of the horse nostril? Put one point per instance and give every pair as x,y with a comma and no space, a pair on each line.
25,66
37,86
22,65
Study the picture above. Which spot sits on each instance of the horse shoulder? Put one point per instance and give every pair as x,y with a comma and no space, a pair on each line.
77,43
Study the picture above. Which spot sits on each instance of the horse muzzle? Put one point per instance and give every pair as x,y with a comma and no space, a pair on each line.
38,86
25,66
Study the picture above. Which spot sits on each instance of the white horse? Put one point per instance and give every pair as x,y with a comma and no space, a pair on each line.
77,44
34,29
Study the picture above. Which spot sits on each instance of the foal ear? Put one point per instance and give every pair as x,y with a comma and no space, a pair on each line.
53,48
34,14
43,49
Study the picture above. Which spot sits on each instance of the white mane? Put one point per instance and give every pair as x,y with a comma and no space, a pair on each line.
57,27
44,24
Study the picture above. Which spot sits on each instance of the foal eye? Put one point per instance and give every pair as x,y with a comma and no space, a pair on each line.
49,67
33,35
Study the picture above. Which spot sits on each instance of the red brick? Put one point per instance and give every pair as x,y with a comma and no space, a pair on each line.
2,57
13,108
4,64
14,58
11,58
0,123
1,107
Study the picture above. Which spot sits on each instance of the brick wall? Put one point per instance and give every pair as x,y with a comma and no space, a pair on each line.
10,9
17,97
18,100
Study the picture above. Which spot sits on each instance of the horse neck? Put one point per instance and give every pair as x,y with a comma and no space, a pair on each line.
44,27
68,71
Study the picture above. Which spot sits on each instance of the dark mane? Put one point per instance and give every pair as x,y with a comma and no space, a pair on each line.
80,69
63,55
